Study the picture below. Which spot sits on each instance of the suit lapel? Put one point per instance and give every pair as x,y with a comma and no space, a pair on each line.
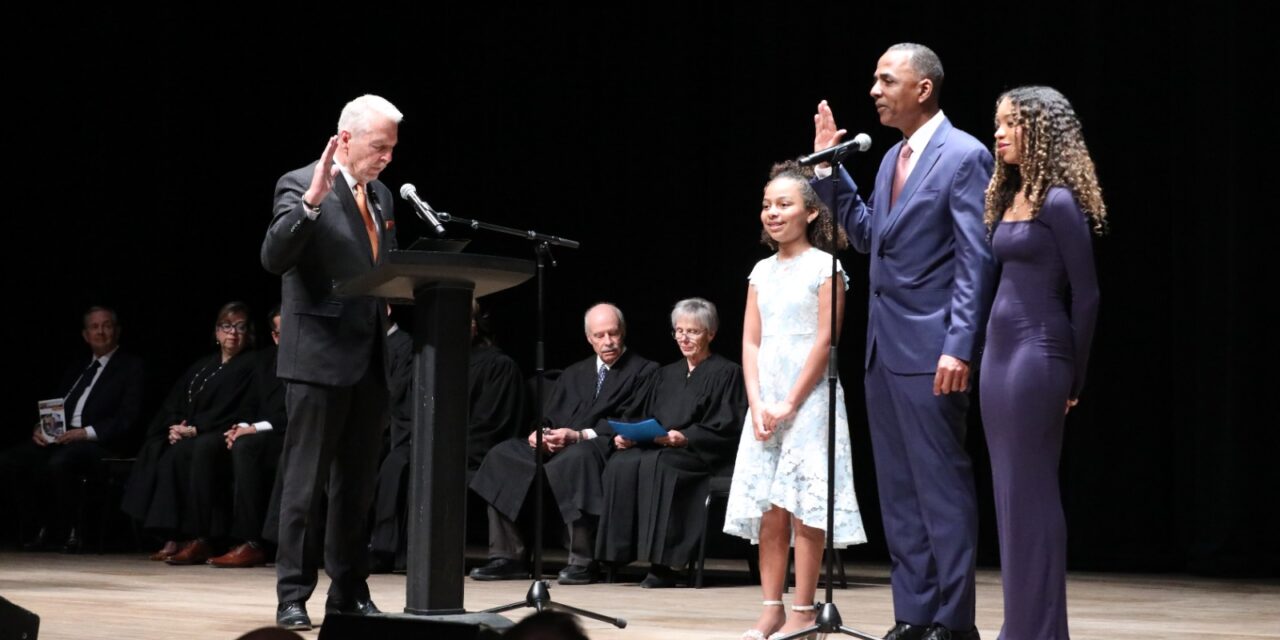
921,173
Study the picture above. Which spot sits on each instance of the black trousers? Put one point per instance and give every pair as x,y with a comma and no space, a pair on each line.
229,489
43,481
332,442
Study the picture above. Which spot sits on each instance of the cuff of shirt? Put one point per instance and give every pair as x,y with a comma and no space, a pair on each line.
91,434
263,426
822,173
588,434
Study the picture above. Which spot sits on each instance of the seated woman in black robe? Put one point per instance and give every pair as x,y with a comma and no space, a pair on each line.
202,404
655,491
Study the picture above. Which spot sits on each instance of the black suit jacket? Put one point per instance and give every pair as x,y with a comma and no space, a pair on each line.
114,405
326,338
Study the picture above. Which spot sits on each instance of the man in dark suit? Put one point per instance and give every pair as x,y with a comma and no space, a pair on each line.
576,437
931,281
332,222
102,398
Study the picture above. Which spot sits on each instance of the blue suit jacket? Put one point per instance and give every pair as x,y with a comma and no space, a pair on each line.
932,272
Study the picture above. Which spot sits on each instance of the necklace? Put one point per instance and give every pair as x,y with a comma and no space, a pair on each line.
192,394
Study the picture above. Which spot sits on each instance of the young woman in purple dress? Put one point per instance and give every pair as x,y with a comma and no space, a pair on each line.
1042,205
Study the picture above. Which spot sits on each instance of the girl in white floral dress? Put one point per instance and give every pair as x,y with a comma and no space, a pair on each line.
779,490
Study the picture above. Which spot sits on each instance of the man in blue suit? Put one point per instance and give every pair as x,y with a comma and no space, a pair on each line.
932,276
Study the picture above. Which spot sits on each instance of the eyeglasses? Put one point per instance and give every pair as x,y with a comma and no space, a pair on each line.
692,334
237,327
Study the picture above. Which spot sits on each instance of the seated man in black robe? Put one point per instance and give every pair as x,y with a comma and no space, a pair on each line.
497,412
576,439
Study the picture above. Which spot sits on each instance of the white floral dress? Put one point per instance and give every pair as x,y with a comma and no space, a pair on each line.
790,469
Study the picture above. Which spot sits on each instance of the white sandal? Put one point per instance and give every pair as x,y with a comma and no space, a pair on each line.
797,608
756,634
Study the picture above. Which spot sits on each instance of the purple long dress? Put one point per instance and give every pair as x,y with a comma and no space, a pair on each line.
1037,350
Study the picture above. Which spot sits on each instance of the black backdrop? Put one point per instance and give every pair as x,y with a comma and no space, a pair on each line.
144,149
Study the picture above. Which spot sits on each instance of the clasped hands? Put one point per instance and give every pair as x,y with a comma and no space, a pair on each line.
554,440
180,431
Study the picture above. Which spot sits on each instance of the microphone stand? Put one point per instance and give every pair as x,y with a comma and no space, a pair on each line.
828,620
539,595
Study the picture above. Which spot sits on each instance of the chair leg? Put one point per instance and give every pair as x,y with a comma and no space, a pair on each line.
80,520
702,544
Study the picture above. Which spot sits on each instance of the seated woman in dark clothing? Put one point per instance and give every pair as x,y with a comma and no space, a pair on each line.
232,476
655,491
203,403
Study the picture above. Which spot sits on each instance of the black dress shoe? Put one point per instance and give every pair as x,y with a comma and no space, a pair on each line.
904,631
501,569
579,574
660,577
358,607
74,543
293,615
40,542
939,632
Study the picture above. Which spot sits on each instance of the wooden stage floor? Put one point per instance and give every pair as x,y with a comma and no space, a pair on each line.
127,596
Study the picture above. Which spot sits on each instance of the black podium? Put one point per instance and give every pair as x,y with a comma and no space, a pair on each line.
440,286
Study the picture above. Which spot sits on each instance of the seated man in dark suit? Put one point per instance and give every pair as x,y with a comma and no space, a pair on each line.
497,412
575,440
102,398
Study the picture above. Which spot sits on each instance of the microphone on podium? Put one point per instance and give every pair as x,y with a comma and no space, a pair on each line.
410,193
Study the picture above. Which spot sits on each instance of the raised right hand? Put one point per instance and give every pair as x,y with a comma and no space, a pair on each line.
323,177
825,133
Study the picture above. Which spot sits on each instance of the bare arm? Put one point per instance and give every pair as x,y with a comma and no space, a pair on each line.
815,365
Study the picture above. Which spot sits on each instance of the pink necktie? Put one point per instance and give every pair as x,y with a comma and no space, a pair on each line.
900,173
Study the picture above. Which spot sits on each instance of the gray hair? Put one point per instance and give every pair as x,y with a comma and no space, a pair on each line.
701,310
925,62
84,320
622,322
357,115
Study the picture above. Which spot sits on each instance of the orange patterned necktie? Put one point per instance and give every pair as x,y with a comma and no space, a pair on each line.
369,227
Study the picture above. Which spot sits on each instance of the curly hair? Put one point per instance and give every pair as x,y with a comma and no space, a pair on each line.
823,232
1052,152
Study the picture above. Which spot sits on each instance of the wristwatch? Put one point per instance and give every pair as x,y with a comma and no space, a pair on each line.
313,208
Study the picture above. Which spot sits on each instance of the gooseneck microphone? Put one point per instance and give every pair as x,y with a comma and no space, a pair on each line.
410,193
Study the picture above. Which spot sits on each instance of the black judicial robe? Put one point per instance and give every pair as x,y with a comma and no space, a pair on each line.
208,396
654,495
399,387
507,472
229,489
497,412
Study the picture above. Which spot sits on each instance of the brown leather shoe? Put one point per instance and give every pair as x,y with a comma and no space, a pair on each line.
169,549
244,555
194,552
